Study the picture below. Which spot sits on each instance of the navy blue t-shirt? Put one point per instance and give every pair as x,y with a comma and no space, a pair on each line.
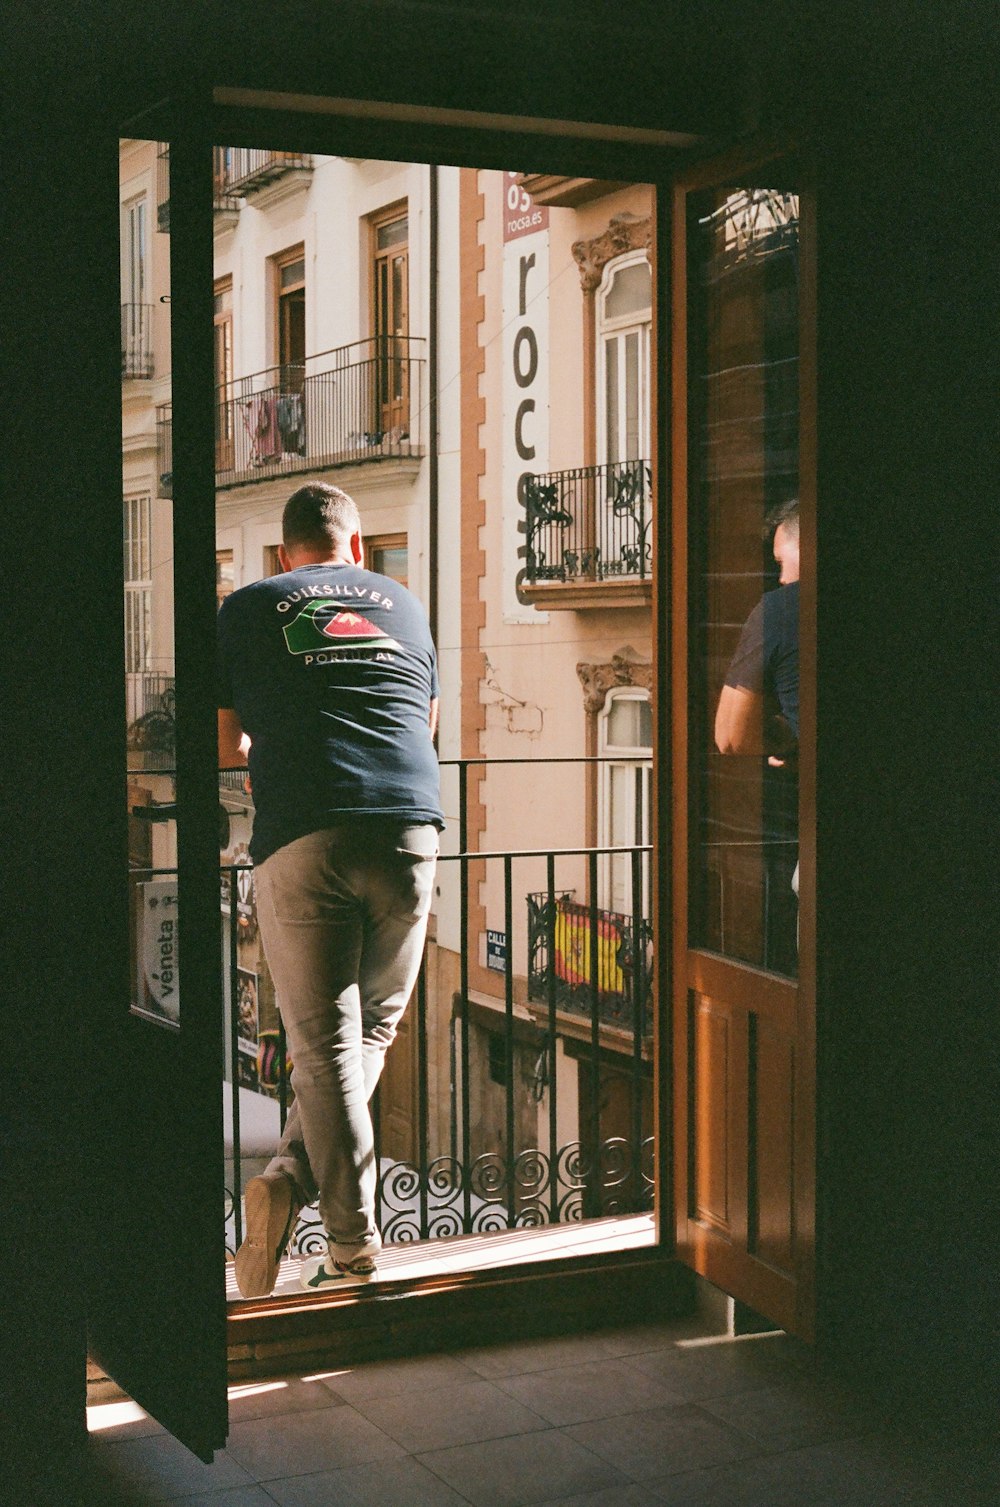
331,671
767,656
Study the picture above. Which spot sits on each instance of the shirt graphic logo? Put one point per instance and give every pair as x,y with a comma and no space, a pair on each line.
324,625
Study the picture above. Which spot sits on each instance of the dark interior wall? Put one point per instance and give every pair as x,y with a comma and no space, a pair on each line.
907,505
63,843
906,685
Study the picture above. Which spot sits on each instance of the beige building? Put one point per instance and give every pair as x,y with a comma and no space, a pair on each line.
556,307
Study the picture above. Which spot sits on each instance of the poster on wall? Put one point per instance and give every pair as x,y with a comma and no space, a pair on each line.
158,980
525,379
247,1025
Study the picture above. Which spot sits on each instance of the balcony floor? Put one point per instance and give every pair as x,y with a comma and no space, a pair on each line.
477,1253
646,1414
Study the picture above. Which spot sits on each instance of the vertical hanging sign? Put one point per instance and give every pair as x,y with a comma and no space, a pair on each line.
525,381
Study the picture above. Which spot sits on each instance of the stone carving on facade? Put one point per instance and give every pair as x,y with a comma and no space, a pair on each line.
625,232
623,669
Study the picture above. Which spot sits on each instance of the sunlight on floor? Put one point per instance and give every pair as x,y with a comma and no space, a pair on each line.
460,1254
109,1415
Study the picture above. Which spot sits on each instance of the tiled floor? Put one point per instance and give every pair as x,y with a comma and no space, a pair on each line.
620,1418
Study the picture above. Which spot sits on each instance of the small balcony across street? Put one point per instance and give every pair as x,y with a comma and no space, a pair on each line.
237,173
589,525
352,405
137,340
241,172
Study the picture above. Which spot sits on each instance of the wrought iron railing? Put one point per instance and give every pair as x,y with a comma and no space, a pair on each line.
137,339
241,171
164,450
589,524
150,703
163,186
490,1150
599,962
359,403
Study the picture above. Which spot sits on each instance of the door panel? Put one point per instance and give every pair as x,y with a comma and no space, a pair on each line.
156,1292
743,1015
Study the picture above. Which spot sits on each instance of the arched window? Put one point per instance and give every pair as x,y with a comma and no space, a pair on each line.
625,743
624,319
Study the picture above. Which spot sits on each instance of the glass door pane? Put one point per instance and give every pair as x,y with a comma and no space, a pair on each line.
744,424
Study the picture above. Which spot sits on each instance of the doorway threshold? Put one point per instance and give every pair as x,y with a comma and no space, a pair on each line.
464,1290
467,1255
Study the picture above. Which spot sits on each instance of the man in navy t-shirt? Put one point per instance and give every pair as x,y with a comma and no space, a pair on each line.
758,711
328,690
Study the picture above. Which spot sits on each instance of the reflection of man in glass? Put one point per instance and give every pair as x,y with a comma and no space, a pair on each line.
758,711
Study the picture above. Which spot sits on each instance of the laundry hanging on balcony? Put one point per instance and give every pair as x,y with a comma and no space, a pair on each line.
291,423
260,417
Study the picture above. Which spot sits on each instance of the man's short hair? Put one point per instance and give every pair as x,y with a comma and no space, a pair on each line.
785,515
319,516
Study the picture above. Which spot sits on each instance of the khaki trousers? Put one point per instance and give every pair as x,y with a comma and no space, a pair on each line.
343,917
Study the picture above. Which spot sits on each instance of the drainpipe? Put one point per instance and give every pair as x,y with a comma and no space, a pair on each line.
432,407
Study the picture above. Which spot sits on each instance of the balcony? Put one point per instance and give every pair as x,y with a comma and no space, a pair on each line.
588,536
591,963
567,192
164,450
137,340
150,701
517,1096
354,405
237,173
163,187
244,172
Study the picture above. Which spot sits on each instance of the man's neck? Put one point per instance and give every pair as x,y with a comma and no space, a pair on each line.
318,558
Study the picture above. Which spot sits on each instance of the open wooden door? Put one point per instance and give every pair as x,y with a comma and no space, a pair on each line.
156,1309
743,444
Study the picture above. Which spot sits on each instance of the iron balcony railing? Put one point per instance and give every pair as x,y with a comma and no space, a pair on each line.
242,171
151,723
507,1127
163,186
137,339
358,403
571,944
164,450
588,524
150,704
222,198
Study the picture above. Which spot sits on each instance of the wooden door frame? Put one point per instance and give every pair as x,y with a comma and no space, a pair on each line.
707,173
574,1292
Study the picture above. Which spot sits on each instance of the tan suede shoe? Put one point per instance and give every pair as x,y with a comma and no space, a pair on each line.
271,1206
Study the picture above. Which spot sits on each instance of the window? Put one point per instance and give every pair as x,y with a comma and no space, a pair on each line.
290,317
391,317
386,554
624,319
224,374
136,323
134,252
272,565
138,585
625,731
